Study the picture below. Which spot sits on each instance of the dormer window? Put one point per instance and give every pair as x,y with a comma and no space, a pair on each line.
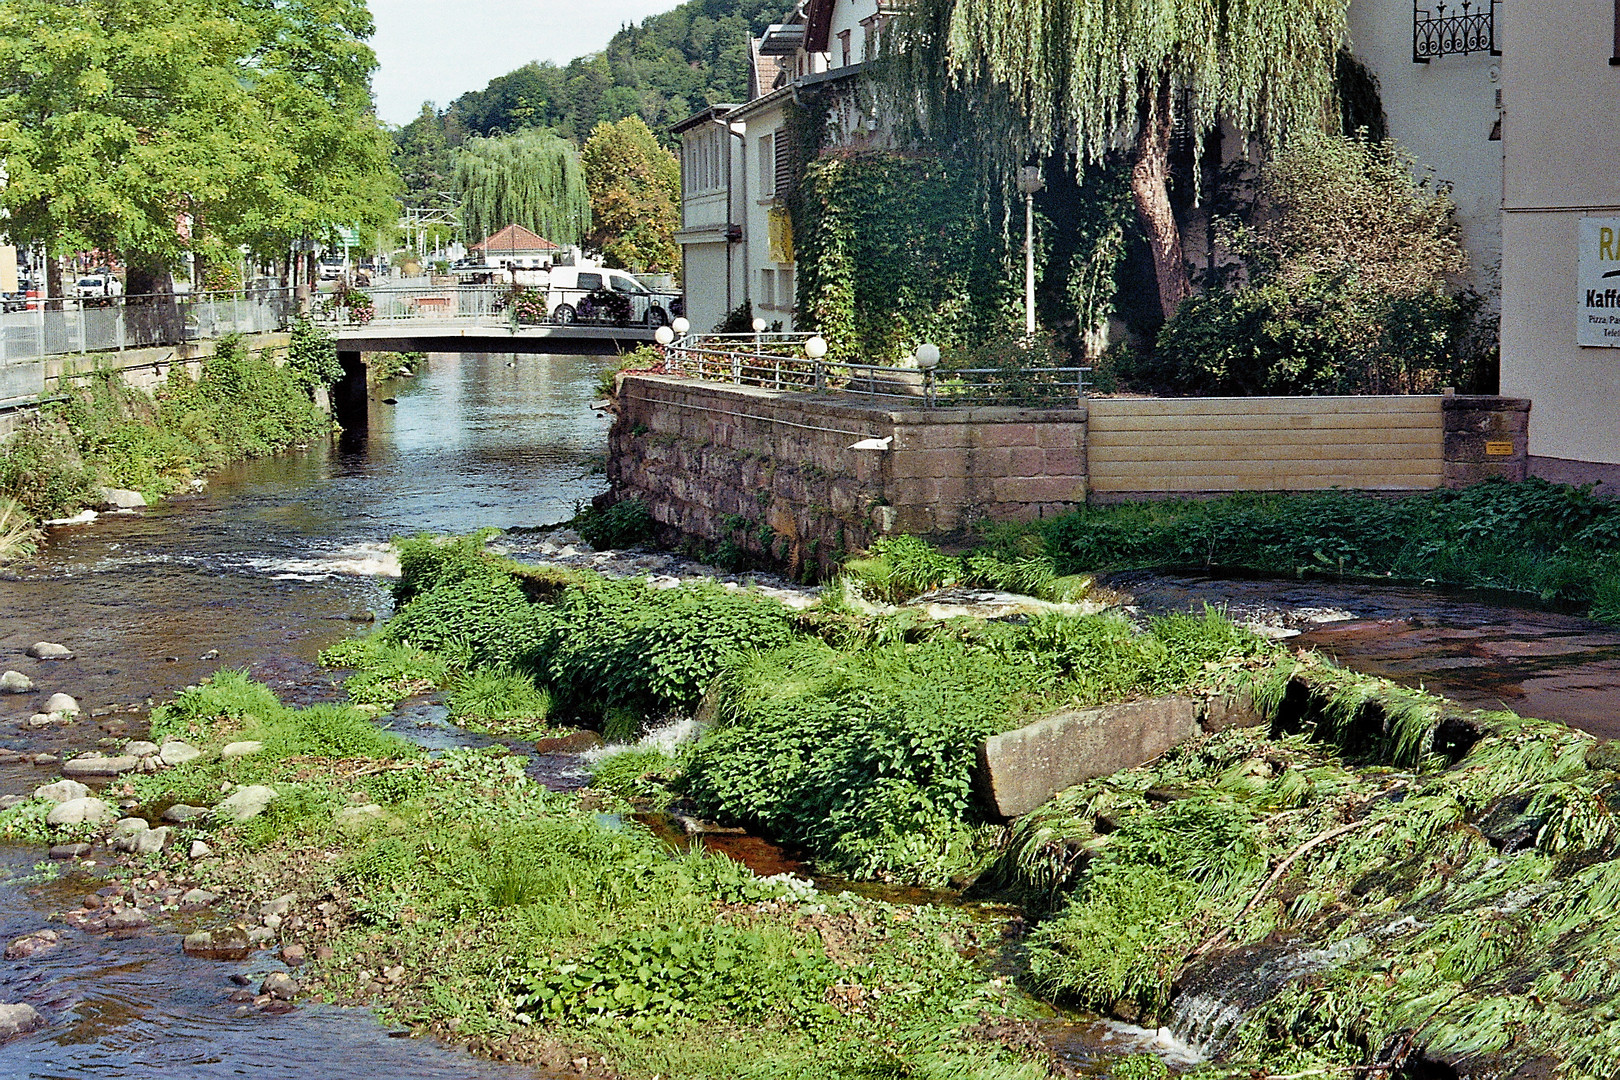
844,46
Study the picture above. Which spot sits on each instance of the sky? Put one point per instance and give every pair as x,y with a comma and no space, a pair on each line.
437,50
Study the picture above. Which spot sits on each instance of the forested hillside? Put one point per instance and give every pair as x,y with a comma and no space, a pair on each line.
666,68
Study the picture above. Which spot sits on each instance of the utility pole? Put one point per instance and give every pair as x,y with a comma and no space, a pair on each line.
1029,182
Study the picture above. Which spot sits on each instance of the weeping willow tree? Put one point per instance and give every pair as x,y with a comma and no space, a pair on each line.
532,179
1016,81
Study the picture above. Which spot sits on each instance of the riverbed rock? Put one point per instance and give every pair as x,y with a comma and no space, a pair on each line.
126,833
61,704
261,937
279,906
62,791
69,851
200,850
45,719
181,813
197,898
17,1020
141,749
8,801
176,752
1019,770
293,955
280,985
15,682
575,742
246,802
358,817
100,765
121,499
89,810
49,650
129,918
241,749
152,841
228,944
33,944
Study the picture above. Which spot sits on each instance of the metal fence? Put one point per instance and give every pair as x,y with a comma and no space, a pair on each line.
490,304
113,323
778,361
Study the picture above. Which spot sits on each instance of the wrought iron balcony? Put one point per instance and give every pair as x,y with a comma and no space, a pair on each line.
1454,30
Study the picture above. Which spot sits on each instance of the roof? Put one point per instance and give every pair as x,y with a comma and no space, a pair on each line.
818,24
765,72
701,117
516,238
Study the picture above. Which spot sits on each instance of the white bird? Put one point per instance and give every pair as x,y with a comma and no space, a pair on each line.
873,444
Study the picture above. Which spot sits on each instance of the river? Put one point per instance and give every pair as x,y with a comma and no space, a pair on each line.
276,559
271,562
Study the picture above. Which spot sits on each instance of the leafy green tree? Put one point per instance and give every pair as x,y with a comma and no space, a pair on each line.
1015,82
635,188
123,120
533,179
422,156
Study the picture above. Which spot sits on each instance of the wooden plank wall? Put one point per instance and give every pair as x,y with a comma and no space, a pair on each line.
1265,444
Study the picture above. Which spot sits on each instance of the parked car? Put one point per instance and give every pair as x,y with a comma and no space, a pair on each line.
331,271
97,287
13,301
599,294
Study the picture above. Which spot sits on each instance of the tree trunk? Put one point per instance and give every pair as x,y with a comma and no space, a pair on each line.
1150,188
152,315
53,283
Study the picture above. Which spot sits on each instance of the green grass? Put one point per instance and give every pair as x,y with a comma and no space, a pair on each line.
500,702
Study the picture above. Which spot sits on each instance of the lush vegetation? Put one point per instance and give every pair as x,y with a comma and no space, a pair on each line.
108,434
533,179
1349,271
537,928
260,114
635,187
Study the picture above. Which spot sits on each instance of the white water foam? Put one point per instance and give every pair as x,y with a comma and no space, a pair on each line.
364,559
663,739
1127,1039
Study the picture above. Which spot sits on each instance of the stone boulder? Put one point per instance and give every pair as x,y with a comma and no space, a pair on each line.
180,813
61,704
176,752
87,811
121,499
49,650
141,749
241,749
15,682
18,1020
62,791
575,742
247,802
228,944
99,765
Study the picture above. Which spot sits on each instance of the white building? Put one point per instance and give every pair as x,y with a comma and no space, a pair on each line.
736,236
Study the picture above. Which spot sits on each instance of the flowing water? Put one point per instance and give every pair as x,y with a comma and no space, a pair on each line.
276,559
273,561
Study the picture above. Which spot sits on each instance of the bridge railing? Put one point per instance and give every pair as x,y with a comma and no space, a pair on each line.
779,361
504,305
114,323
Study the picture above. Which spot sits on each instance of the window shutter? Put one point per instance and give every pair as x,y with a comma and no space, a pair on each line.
784,165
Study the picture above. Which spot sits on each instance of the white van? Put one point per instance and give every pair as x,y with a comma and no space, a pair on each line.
617,298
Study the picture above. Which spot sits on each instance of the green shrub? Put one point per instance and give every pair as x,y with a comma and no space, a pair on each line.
386,673
895,569
501,702
622,525
636,774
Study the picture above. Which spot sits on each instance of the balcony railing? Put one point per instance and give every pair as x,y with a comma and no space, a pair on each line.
1454,30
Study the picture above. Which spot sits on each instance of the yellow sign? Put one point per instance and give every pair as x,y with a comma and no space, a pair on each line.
1498,449
781,224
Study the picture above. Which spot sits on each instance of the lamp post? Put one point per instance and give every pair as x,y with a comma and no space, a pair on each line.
1029,182
816,348
927,360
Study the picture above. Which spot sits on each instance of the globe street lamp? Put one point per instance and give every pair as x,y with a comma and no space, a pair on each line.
1029,182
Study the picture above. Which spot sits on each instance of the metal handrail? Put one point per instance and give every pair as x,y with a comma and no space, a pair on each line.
777,361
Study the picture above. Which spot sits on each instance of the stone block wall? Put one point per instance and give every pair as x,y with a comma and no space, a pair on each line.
1485,437
776,475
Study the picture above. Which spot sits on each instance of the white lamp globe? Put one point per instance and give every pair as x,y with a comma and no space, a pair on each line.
663,335
927,357
681,325
816,347
759,326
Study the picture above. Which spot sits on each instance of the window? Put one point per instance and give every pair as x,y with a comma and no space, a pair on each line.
767,166
701,165
590,282
767,288
843,45
784,288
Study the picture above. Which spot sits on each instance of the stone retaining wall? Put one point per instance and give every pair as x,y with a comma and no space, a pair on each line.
775,473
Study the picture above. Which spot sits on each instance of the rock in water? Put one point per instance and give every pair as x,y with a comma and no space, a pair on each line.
247,802
280,985
230,944
575,742
80,811
121,499
130,918
70,851
178,753
18,1020
15,682
30,944
62,703
97,765
62,791
49,650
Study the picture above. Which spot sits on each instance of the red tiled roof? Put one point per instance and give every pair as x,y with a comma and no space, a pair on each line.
516,238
